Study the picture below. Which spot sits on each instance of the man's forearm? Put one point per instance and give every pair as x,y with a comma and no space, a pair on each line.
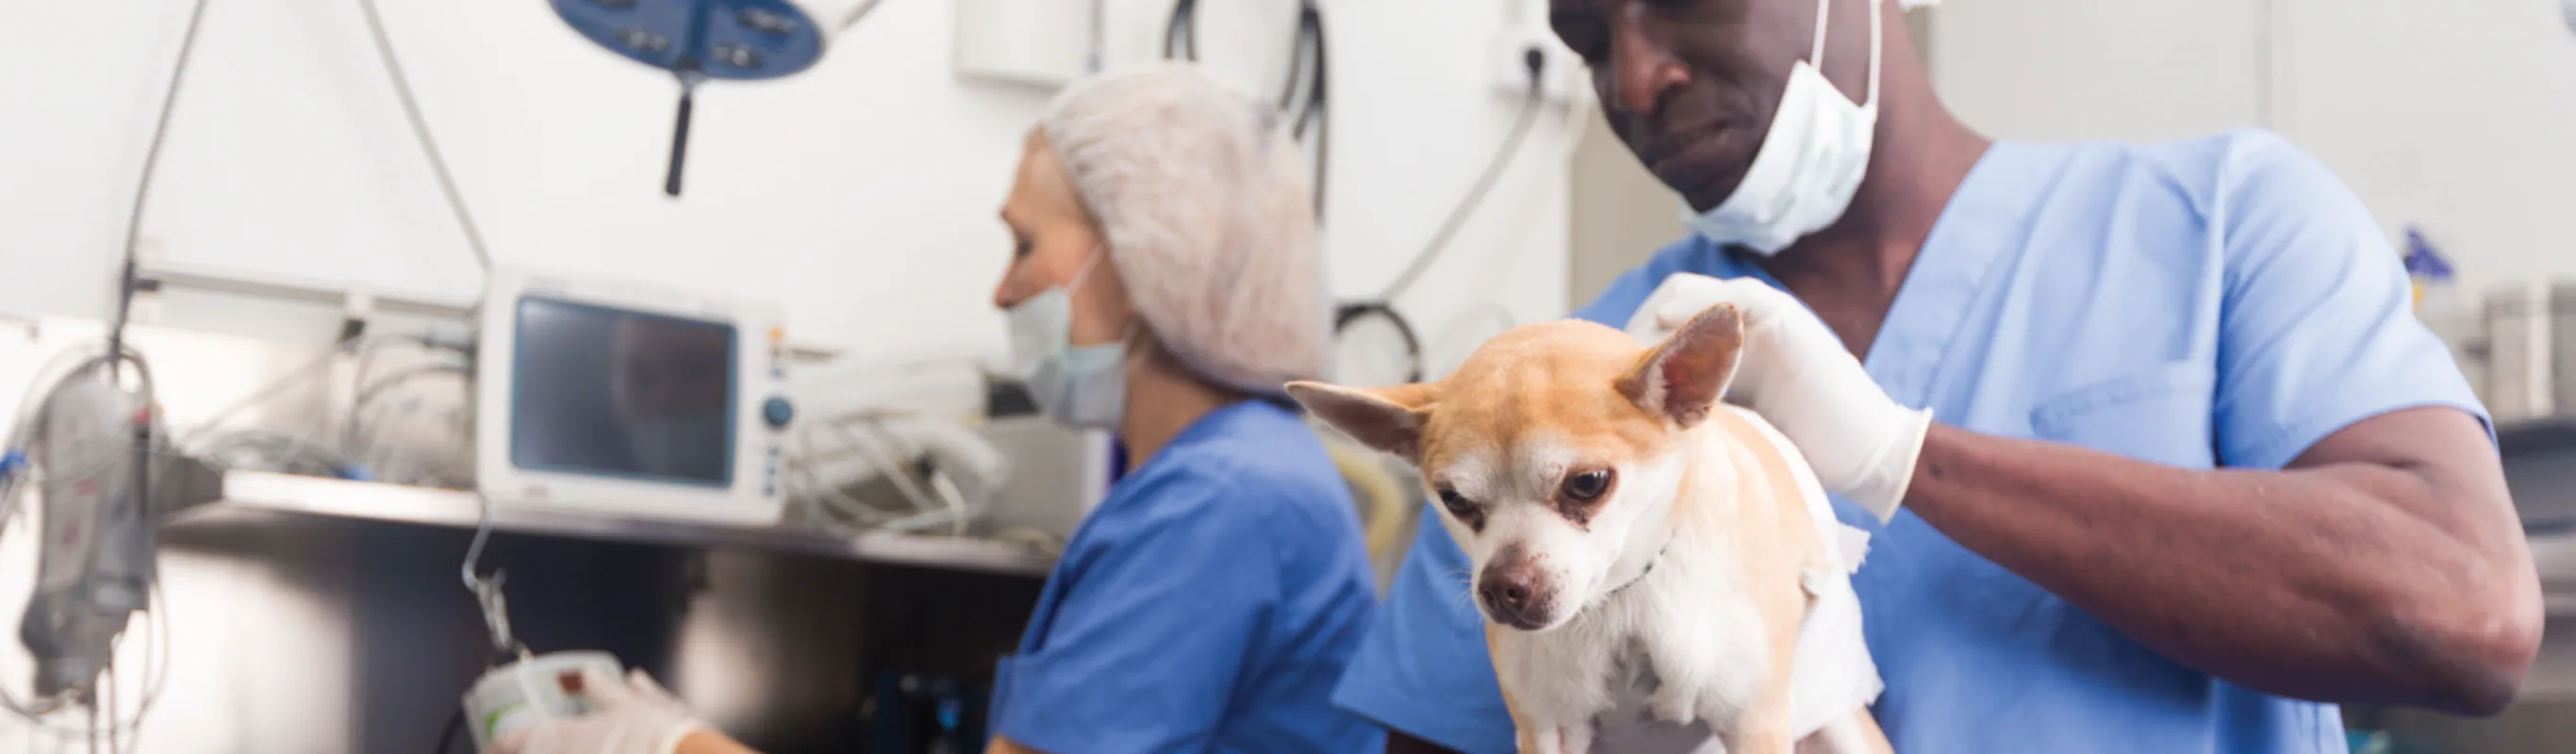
2345,580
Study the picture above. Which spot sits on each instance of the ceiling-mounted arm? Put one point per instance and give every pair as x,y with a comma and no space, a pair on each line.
680,132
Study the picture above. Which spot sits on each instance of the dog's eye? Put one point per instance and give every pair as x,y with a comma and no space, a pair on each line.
1455,502
1587,486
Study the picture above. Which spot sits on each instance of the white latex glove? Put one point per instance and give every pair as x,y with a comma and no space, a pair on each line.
1796,374
631,717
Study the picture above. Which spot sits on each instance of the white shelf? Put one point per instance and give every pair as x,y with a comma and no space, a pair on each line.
260,491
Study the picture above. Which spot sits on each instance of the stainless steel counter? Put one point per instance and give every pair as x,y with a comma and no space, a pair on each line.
320,616
448,508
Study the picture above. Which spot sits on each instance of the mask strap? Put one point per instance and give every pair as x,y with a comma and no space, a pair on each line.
1824,18
1085,273
1877,50
1816,54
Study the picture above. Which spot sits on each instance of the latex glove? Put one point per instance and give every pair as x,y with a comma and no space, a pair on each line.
632,717
1797,375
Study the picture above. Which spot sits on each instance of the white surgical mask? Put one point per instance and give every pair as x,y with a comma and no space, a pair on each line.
1810,162
1078,386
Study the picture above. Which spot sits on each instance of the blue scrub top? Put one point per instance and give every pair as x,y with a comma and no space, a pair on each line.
1209,604
2223,301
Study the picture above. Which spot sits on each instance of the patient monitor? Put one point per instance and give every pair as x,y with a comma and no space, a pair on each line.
612,398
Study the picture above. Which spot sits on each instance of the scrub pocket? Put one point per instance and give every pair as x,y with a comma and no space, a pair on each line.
2159,414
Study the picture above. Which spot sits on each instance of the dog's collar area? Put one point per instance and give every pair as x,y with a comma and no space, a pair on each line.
1641,573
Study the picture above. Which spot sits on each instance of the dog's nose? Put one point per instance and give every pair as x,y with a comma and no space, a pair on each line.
1510,594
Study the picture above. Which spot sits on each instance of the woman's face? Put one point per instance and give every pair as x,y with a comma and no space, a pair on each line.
1052,238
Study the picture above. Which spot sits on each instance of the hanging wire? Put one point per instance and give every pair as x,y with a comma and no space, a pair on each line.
131,277
420,133
858,13
487,591
1382,307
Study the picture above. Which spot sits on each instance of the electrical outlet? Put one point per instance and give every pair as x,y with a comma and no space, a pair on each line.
1559,73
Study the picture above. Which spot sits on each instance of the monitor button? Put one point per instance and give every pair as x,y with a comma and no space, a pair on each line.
778,412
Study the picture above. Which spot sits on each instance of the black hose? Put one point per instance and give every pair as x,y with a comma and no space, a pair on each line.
1310,28
1353,312
447,734
1181,33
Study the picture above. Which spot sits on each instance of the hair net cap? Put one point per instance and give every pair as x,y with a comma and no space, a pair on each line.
1202,200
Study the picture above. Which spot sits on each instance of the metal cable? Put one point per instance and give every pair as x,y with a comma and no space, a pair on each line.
420,132
129,279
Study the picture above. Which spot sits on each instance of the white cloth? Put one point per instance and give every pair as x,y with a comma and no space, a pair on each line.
1834,674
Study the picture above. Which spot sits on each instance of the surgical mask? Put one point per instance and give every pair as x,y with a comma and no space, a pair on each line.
1810,162
1080,387
691,445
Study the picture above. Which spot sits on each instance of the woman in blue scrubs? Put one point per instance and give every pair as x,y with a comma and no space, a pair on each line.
1164,281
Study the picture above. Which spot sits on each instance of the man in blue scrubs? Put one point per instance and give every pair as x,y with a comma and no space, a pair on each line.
2179,470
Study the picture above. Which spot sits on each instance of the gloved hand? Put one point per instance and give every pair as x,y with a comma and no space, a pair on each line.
1797,375
631,717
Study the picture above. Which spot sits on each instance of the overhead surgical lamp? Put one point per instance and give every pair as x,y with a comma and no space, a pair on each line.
701,40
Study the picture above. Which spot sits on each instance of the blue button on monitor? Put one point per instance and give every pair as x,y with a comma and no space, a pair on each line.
777,411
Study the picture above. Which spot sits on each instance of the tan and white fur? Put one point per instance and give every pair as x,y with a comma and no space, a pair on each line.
1615,511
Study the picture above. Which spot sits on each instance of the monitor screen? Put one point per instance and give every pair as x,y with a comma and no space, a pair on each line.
622,393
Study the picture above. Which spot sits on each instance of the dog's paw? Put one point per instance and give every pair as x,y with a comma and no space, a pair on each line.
1571,739
1577,739
1674,703
1543,740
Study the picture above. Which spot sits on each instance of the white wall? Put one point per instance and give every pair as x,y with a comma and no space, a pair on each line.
2459,117
860,194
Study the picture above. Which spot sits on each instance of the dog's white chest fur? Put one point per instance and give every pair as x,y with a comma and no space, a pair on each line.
1689,620
1685,620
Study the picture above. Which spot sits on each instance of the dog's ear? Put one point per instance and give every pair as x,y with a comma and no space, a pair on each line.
1681,378
1386,418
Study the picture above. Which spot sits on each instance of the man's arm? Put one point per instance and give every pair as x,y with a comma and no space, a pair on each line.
2386,564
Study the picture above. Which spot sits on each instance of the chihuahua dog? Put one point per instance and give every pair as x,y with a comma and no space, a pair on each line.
1618,515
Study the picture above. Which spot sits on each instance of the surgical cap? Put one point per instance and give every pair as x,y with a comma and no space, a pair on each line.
1202,200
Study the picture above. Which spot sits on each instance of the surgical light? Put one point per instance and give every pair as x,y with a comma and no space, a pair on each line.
701,40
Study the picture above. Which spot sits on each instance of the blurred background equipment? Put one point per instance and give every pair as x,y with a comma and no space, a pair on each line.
702,40
89,453
612,398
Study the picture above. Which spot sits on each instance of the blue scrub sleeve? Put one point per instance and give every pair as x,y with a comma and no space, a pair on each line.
1423,669
1620,300
2319,329
1143,651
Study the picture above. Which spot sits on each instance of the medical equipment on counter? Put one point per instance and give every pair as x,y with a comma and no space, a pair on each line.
913,428
698,40
2529,346
926,713
92,449
612,398
532,690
